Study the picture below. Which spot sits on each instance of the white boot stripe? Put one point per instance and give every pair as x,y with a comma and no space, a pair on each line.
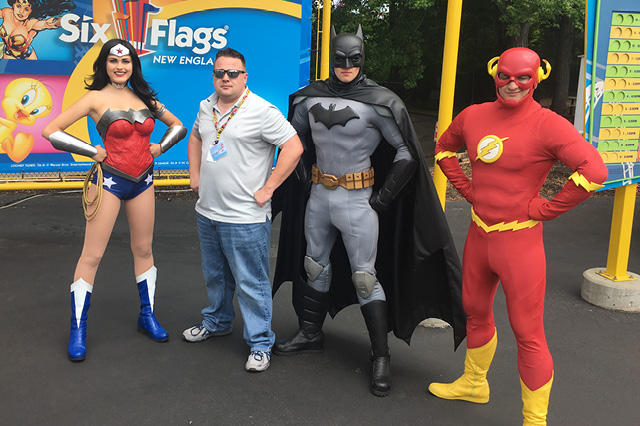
80,289
81,285
150,276
152,272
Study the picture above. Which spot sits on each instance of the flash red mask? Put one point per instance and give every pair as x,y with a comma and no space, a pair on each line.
514,63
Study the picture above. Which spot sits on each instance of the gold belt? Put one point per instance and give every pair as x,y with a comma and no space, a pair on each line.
511,226
350,181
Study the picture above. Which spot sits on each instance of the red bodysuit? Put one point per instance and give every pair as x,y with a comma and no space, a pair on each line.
512,150
126,137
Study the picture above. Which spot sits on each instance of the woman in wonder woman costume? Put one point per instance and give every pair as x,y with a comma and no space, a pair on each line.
124,107
24,19
512,143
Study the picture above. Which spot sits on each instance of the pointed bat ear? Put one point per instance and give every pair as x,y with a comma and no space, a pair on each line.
359,32
333,31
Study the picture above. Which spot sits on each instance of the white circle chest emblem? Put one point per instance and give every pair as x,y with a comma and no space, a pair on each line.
490,148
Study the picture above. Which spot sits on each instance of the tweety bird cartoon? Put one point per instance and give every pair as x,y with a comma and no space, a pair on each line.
25,100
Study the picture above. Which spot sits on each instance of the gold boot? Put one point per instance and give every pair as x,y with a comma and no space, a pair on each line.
535,404
472,386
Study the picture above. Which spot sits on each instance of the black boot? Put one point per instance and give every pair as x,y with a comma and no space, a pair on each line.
375,316
309,337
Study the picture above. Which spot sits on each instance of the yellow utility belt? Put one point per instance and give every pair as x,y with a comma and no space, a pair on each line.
350,181
511,226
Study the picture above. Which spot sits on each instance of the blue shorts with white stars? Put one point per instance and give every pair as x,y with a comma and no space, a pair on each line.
121,187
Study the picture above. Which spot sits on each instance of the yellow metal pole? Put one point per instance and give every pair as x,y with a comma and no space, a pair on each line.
447,89
326,38
316,71
620,239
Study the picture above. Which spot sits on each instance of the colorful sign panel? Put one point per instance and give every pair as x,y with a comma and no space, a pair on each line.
49,47
612,114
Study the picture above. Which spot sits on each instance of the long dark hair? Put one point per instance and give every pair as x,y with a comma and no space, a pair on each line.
42,9
138,84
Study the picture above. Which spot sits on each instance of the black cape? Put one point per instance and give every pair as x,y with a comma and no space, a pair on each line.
417,262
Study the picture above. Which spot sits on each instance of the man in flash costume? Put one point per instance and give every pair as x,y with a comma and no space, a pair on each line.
400,257
512,142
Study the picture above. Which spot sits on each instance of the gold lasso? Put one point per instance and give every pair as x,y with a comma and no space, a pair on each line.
97,168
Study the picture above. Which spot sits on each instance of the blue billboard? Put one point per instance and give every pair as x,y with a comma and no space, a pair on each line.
176,40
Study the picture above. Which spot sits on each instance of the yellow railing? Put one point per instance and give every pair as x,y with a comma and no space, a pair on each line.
76,181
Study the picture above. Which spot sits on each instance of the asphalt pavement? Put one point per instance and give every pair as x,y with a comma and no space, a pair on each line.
127,379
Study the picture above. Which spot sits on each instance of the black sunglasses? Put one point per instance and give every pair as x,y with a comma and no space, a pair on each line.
230,73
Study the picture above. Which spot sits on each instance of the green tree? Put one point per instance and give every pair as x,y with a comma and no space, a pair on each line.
536,23
404,42
569,31
393,41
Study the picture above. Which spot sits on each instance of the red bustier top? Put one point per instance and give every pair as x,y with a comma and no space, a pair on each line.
126,137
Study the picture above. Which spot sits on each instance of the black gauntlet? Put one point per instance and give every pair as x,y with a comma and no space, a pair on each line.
399,175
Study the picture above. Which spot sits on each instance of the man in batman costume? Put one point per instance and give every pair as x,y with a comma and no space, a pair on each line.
386,237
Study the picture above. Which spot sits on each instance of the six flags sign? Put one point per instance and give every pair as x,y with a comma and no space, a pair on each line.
131,21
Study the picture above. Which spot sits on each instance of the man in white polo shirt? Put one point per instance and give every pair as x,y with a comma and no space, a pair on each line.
231,151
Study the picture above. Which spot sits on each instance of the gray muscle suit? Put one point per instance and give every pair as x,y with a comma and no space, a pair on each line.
344,133
342,149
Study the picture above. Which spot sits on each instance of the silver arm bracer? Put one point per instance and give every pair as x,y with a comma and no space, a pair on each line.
172,136
65,142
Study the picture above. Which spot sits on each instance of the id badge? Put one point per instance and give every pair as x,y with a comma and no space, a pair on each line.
216,152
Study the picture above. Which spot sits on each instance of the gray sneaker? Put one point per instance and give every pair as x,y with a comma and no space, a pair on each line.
199,332
258,361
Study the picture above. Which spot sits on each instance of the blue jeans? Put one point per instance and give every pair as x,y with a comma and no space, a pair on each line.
237,256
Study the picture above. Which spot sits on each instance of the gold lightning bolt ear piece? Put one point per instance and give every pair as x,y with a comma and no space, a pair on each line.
542,74
492,66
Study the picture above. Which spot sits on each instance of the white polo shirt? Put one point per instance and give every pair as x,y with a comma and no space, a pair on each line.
227,184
